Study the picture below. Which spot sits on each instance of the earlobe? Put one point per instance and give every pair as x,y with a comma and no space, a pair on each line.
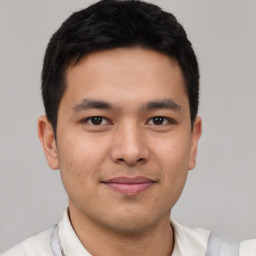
48,142
196,134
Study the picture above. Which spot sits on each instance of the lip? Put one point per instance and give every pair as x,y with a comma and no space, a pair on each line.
129,185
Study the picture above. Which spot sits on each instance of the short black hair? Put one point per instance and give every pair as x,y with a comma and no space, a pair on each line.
110,24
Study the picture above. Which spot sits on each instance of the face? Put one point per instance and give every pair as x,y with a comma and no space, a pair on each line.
124,140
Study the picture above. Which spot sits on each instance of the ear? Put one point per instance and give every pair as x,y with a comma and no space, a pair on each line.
196,134
47,138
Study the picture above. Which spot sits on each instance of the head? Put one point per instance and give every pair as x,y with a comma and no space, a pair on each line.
110,24
120,88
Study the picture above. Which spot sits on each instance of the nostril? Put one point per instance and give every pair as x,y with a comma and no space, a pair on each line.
138,160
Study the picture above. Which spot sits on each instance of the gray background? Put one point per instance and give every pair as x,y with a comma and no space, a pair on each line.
220,192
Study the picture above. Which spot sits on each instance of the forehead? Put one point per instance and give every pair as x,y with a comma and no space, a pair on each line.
125,75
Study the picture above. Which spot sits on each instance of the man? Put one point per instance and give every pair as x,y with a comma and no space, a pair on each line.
120,85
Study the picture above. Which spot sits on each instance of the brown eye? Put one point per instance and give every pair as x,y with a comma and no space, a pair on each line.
95,120
158,120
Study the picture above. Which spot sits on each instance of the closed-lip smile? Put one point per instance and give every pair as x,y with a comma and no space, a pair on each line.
129,185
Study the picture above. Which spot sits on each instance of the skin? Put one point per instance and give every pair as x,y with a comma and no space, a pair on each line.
126,142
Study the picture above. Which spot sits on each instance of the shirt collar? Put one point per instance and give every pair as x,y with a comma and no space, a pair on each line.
69,241
188,241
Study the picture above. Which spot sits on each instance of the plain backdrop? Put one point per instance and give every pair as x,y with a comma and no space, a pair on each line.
220,191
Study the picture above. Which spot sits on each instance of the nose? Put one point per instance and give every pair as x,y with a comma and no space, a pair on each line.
129,146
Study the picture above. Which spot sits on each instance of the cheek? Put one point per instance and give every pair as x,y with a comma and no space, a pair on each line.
80,159
173,158
173,151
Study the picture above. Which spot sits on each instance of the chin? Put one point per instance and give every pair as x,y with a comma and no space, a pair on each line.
128,227
129,222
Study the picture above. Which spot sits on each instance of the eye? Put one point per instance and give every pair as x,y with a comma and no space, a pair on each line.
159,120
96,120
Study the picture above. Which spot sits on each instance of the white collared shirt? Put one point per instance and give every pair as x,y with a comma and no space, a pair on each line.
188,242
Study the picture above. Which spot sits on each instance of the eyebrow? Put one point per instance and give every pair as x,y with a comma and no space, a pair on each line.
151,105
161,104
90,103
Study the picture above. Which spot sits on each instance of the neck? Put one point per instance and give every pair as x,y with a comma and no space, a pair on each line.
158,239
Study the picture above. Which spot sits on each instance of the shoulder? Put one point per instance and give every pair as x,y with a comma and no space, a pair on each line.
198,241
248,248
38,245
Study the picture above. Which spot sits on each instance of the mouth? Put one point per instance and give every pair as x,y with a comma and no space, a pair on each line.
129,185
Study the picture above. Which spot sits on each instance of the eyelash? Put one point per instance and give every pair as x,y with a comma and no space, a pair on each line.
90,118
166,119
